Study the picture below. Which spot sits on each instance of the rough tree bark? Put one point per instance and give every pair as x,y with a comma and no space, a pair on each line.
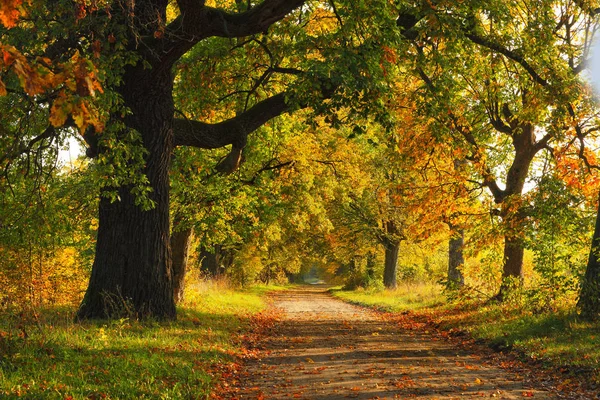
589,295
132,271
131,274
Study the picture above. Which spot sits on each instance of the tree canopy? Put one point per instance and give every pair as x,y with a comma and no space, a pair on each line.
295,136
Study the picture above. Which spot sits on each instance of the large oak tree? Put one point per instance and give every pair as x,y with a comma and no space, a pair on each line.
122,58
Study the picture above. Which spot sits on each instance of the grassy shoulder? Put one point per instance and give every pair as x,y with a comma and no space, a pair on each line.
47,356
406,297
555,337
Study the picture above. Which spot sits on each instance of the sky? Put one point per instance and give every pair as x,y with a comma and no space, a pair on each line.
595,67
71,152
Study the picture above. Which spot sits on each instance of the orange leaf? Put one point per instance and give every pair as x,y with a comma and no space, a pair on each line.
59,111
10,11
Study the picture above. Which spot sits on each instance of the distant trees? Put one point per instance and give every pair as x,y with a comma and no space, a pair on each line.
508,87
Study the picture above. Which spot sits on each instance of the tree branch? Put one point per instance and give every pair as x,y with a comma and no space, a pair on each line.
232,131
197,22
511,54
268,167
453,123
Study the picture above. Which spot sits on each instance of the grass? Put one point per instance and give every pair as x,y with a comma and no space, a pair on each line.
557,338
405,297
50,357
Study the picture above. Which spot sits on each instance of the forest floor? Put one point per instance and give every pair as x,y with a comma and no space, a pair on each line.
319,347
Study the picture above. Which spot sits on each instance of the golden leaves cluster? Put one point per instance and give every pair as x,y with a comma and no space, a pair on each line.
10,12
74,82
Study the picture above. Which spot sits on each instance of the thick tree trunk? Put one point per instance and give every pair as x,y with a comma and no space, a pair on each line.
180,245
392,249
513,258
512,271
589,296
456,259
131,274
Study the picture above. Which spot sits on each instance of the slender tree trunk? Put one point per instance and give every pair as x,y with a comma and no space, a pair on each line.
211,260
589,296
180,245
370,266
514,248
131,274
392,249
456,259
513,217
391,243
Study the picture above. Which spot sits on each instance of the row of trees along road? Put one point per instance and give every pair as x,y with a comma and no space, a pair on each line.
406,119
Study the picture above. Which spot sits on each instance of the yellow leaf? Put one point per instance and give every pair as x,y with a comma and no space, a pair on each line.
59,112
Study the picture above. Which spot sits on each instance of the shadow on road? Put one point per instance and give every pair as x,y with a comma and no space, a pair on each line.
324,348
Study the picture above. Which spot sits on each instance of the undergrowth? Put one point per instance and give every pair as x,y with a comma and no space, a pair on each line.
44,355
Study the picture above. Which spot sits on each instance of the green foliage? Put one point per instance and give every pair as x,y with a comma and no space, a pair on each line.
408,130
559,239
47,232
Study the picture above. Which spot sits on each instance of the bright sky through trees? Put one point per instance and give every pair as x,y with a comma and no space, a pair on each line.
70,153
595,67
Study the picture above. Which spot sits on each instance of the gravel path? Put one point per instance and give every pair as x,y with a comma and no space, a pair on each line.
323,348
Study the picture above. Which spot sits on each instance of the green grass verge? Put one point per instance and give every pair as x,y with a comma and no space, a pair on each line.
558,338
50,357
404,298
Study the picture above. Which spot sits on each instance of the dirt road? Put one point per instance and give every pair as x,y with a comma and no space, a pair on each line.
323,348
